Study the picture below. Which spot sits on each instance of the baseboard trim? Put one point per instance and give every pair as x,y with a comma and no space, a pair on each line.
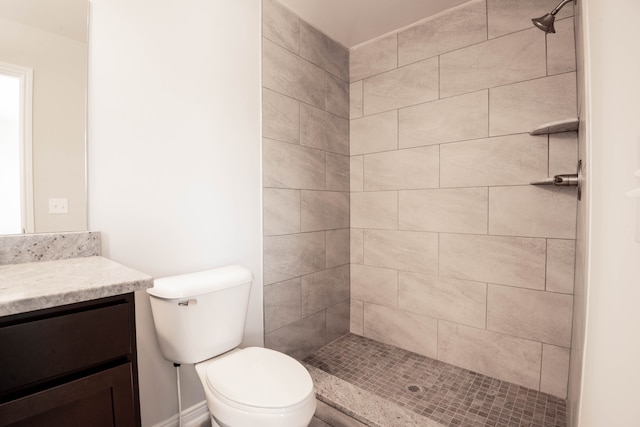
194,416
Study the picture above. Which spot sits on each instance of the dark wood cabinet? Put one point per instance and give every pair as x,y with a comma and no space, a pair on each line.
73,365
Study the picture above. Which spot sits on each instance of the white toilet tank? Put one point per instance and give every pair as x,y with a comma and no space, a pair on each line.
200,315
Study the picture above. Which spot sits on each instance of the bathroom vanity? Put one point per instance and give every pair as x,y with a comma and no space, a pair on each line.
68,343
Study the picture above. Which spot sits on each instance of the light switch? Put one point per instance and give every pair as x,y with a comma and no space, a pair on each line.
58,205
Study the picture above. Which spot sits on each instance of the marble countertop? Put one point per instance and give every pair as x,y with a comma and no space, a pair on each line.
37,285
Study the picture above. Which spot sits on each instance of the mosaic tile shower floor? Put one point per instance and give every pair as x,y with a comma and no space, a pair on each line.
444,393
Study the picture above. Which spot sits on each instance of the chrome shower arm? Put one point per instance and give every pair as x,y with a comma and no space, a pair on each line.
560,6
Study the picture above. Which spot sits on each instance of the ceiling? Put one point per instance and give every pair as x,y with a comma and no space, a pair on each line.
67,18
352,22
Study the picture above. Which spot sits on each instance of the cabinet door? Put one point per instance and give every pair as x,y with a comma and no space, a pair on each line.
99,400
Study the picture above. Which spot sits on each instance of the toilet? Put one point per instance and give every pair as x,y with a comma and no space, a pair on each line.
200,319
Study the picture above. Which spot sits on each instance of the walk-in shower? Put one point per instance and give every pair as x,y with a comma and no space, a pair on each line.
545,23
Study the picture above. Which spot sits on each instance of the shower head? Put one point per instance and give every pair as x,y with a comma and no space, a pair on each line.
545,23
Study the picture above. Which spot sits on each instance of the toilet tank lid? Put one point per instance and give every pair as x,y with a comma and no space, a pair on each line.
192,284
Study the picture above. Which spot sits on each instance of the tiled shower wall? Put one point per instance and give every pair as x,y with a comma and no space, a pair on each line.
453,254
306,184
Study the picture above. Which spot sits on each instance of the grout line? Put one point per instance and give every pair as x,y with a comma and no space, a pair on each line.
489,113
397,128
546,53
397,288
439,79
398,209
549,155
486,17
541,359
488,209
486,307
438,255
439,167
437,339
546,262
361,101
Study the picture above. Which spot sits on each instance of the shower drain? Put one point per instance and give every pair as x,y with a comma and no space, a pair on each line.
413,388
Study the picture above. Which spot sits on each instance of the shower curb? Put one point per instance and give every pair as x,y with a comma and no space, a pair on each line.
361,405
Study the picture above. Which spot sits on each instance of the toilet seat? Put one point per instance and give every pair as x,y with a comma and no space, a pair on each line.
259,380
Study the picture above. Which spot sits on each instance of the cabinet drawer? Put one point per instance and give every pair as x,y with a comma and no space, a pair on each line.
35,351
104,399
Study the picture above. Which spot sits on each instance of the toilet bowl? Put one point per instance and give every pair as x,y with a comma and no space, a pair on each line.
200,319
257,387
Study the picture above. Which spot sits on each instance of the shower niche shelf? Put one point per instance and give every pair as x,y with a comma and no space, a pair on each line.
566,125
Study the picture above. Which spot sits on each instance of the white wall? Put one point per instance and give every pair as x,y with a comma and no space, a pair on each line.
174,155
611,372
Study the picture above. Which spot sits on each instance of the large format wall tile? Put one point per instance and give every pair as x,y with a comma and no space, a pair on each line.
424,142
337,321
561,255
461,27
402,169
337,96
563,153
293,255
375,133
453,119
306,180
410,331
508,16
324,210
501,356
282,304
292,166
509,160
555,370
287,73
402,250
535,315
522,107
324,52
356,173
280,25
561,49
338,178
402,87
281,212
356,313
300,338
461,210
514,261
324,289
373,58
355,100
323,130
374,285
337,247
280,117
513,58
533,211
443,298
357,245
377,209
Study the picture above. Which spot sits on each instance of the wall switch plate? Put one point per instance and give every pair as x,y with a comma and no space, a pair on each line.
58,205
